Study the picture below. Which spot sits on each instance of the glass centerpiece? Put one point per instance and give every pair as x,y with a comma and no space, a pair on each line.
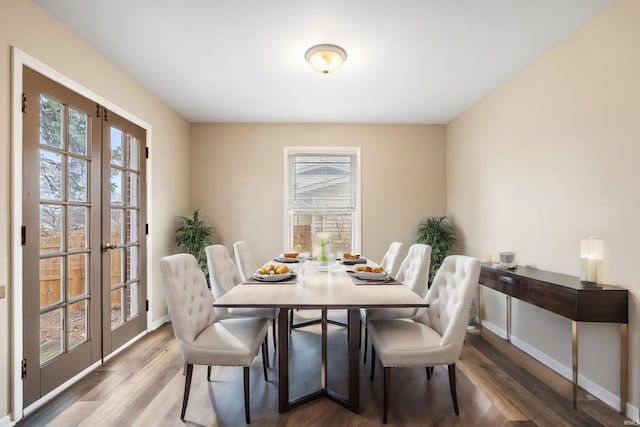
322,250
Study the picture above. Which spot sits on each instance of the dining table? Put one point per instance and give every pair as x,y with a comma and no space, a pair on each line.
322,287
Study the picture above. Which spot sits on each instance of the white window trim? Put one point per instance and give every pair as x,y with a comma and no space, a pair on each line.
357,214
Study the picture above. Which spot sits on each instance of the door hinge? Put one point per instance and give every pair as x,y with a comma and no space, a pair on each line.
146,229
147,152
23,235
97,110
105,111
24,369
146,305
24,102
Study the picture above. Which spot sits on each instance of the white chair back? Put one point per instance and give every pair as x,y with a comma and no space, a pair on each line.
244,259
414,270
449,298
392,258
189,300
223,273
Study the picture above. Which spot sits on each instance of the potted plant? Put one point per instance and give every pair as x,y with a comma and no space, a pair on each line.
193,235
438,233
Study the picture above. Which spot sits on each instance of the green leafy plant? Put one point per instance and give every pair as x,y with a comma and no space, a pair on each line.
193,235
438,233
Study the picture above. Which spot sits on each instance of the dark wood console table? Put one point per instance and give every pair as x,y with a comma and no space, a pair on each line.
569,297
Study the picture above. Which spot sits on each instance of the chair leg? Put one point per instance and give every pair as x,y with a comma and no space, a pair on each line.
209,373
273,330
366,336
265,358
386,387
290,320
246,394
429,371
452,385
360,334
373,361
187,387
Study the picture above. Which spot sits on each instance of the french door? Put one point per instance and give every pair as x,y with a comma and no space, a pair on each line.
84,288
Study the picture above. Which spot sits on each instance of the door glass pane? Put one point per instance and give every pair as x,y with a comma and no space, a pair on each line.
51,275
51,120
50,175
132,226
117,225
117,265
78,224
133,160
132,179
78,132
132,263
78,180
77,284
51,224
116,186
51,327
117,308
132,300
78,324
117,137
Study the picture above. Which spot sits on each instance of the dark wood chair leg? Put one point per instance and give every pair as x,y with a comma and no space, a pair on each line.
373,362
187,387
366,336
246,394
385,391
452,385
209,373
429,371
265,358
273,330
290,320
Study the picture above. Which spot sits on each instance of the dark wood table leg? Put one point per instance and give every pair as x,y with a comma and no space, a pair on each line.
354,365
283,360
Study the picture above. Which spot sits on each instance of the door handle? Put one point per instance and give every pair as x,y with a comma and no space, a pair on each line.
109,247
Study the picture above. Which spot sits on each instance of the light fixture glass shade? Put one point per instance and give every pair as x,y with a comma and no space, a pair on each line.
325,58
591,249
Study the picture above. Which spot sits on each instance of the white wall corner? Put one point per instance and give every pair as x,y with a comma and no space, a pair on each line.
159,322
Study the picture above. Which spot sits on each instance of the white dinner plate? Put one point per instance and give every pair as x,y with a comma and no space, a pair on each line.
281,258
351,261
272,277
366,275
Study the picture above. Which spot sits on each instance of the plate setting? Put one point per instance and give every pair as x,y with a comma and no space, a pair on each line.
366,275
272,277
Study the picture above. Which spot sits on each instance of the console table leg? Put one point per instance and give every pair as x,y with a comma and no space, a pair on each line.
574,353
624,365
508,318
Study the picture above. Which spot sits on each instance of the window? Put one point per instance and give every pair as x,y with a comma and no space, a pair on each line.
322,194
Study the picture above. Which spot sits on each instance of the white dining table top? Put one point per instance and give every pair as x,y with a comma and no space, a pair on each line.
331,289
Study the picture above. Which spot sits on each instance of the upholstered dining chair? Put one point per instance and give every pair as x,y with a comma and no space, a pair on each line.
435,335
224,275
204,338
392,258
414,274
244,259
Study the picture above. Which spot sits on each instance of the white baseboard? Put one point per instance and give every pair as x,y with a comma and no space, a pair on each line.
159,322
5,421
591,387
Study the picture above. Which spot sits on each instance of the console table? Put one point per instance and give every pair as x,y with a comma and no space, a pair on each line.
569,297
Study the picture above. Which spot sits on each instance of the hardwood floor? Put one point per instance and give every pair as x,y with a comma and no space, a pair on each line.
497,384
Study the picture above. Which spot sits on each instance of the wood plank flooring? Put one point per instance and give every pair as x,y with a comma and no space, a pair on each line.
498,385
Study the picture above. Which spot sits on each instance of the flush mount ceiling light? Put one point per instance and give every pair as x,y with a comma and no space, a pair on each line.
325,58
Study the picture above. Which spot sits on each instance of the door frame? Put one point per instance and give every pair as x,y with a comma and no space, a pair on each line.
19,59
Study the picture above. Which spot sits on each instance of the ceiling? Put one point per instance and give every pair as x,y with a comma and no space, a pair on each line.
409,61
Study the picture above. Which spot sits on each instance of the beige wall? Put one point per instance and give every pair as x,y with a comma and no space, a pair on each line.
237,171
547,158
27,27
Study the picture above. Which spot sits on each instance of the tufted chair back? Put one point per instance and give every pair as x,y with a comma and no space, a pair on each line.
414,270
223,273
244,259
188,298
449,299
391,260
